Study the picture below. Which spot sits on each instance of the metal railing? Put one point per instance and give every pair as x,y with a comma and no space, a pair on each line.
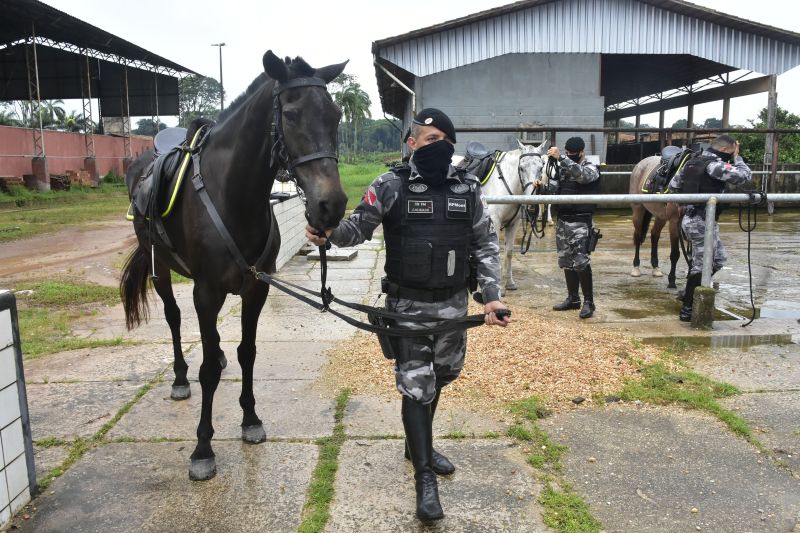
711,201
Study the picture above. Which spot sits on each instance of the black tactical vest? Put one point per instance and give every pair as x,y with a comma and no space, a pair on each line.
697,181
428,232
566,185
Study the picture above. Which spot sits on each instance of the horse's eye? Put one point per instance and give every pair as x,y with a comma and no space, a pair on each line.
292,115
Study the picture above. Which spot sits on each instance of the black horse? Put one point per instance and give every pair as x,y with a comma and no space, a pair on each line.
286,118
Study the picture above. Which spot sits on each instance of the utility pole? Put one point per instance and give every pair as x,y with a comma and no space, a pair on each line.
221,87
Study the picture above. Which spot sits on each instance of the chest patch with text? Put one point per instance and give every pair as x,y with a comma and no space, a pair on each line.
457,204
420,207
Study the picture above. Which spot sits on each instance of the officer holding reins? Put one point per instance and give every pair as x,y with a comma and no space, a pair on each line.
435,225
707,173
574,227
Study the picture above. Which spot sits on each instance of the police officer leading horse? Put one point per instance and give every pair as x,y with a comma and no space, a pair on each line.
435,224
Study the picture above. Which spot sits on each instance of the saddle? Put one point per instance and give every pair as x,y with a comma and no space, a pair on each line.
156,190
479,161
672,160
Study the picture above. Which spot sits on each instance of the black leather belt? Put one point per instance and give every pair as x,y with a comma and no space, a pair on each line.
421,295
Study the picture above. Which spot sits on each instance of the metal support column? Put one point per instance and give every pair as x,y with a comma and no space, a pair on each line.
690,124
39,162
662,140
708,242
86,100
726,113
770,158
126,117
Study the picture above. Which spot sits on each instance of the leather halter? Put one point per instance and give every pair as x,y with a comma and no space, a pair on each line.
279,152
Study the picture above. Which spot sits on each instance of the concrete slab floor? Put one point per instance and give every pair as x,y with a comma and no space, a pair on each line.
69,410
146,487
371,416
288,409
48,458
138,363
666,469
753,368
492,489
775,418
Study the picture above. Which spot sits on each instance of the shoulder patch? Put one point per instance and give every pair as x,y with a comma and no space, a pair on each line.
459,188
418,187
370,198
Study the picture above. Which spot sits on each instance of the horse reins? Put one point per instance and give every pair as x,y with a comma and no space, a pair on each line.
280,156
531,214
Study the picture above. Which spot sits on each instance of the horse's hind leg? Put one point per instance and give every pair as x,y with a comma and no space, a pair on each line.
655,234
208,301
163,285
508,238
252,302
674,249
638,236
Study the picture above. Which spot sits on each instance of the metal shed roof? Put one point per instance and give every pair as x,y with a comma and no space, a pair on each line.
654,27
20,16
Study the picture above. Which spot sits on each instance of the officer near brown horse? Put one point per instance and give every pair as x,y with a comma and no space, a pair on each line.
574,228
435,226
707,173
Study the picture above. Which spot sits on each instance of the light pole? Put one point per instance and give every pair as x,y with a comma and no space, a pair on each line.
221,87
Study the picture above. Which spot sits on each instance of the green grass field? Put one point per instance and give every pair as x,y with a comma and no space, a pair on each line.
357,177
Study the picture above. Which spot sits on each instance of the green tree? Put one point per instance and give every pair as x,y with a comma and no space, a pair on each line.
148,126
680,123
7,116
199,98
354,103
76,121
752,144
712,123
52,113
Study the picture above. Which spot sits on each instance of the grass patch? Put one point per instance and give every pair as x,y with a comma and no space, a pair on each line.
356,178
46,331
662,385
316,510
24,213
80,446
565,511
546,452
60,293
177,278
50,442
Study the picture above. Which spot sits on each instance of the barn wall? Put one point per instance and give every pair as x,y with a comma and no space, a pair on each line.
64,151
519,90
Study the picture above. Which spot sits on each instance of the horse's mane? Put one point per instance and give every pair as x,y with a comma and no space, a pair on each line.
298,68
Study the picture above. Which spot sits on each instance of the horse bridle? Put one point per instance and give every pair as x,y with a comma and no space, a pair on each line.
279,152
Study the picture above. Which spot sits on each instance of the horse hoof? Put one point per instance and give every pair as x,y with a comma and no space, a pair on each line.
657,273
223,362
635,272
511,287
673,286
202,469
180,392
254,434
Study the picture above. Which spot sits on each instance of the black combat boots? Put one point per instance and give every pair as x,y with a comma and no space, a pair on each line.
573,301
439,463
585,277
419,436
692,282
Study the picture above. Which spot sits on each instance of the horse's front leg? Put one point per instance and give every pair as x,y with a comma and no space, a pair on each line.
252,302
509,235
674,250
163,286
208,301
655,234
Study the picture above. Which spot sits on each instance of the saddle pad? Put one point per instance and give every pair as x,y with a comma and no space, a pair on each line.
169,138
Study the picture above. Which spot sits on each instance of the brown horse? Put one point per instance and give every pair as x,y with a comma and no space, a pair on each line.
663,213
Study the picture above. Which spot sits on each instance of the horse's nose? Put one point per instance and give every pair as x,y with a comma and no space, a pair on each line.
331,208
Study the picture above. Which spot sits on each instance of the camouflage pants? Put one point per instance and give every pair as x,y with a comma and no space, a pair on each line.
572,241
426,363
695,228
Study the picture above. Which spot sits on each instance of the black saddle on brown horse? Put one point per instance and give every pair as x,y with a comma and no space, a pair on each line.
672,159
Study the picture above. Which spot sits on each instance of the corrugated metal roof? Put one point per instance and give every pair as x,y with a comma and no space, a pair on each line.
594,26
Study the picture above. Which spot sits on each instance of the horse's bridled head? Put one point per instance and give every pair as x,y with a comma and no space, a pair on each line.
309,122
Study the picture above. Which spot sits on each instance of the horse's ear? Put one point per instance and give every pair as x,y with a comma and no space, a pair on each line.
522,146
274,67
330,72
542,147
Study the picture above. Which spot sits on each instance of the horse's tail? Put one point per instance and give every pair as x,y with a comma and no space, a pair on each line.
133,287
640,235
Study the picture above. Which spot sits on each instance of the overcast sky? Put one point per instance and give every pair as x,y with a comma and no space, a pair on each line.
326,32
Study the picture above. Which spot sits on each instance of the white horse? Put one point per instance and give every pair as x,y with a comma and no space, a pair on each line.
514,174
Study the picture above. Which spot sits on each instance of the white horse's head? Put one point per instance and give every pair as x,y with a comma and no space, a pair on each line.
531,163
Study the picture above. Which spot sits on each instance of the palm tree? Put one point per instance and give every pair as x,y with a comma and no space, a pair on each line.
52,113
7,117
354,103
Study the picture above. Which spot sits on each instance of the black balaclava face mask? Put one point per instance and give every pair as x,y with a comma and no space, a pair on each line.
575,157
433,161
722,155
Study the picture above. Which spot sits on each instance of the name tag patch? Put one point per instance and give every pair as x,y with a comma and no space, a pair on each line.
420,207
457,204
